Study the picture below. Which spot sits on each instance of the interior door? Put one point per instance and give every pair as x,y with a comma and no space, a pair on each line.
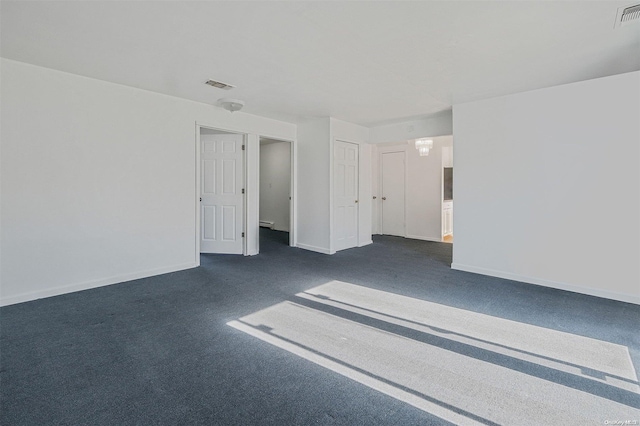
221,189
345,192
393,193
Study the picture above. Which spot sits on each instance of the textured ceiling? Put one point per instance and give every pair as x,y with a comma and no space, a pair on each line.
362,62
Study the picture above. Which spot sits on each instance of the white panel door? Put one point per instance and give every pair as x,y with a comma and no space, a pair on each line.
345,195
393,193
221,186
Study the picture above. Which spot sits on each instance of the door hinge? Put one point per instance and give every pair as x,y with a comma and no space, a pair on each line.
243,235
243,190
243,147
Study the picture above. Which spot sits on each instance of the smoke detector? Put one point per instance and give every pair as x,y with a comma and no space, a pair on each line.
627,15
219,84
231,104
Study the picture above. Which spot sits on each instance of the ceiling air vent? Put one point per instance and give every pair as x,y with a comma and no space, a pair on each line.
628,15
219,85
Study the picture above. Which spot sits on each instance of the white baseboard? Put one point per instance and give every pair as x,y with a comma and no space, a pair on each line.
622,297
56,291
417,237
314,248
366,243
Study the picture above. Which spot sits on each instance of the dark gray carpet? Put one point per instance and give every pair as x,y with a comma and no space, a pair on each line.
158,350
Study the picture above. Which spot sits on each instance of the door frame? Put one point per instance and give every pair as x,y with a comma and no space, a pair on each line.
198,186
292,187
381,152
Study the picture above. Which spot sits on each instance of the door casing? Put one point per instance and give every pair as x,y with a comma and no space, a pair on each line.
199,189
292,188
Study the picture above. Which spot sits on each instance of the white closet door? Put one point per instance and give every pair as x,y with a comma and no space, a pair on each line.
345,195
393,193
221,187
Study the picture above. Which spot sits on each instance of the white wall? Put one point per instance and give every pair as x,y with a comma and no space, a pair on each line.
349,132
98,180
313,185
252,196
275,183
424,191
447,155
547,187
315,181
423,186
440,124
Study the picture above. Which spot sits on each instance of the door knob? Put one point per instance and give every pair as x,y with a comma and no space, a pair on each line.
384,198
356,201
374,197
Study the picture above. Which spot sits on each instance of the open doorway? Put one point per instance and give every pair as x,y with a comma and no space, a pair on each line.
413,197
276,189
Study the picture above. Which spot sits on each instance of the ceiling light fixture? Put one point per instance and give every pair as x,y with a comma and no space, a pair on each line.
424,146
231,104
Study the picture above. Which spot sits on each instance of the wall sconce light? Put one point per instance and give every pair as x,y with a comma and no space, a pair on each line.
424,146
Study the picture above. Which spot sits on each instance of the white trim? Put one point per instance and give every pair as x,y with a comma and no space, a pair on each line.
56,291
442,234
417,237
406,190
629,298
246,184
314,248
358,195
366,243
197,197
332,143
293,210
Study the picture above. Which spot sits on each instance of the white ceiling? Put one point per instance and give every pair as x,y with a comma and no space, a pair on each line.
362,62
